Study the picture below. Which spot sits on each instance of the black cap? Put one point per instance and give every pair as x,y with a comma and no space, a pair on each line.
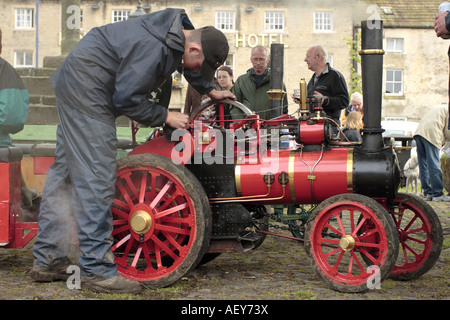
215,49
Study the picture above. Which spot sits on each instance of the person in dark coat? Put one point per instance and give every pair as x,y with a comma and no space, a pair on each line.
328,84
109,73
351,127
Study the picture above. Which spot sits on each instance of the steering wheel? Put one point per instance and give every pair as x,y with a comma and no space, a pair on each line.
217,111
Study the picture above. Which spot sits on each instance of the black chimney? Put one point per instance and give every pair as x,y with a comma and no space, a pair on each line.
372,81
276,92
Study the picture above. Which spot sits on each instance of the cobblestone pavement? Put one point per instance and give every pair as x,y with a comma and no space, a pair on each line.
277,270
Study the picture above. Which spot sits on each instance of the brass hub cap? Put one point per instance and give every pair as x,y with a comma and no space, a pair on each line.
347,243
141,222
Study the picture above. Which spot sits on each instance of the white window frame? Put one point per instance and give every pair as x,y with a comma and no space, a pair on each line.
226,21
120,15
229,61
393,82
330,59
24,18
23,55
274,21
323,21
395,45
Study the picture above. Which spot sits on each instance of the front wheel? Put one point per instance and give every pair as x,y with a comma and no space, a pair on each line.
162,220
351,242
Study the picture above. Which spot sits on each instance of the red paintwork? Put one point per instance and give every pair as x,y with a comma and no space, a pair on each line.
42,164
163,147
13,233
330,174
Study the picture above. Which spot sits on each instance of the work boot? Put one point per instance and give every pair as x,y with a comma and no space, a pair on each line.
442,198
116,284
55,271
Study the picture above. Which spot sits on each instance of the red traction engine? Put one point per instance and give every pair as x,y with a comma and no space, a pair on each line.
185,197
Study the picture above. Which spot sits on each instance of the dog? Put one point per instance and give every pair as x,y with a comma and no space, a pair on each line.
411,172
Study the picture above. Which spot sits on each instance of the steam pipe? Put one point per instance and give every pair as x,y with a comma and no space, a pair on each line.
372,74
276,92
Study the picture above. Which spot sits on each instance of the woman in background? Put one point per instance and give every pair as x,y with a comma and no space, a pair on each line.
352,125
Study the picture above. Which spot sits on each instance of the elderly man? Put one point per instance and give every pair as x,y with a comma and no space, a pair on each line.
327,83
356,104
108,74
251,88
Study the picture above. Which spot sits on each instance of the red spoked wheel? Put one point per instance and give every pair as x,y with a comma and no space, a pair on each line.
162,220
346,236
420,235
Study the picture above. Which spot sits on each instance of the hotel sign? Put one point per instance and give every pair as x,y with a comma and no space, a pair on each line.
252,40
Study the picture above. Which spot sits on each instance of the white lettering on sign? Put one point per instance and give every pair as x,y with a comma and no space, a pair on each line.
252,40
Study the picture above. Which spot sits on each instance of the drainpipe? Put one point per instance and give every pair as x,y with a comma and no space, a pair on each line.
37,33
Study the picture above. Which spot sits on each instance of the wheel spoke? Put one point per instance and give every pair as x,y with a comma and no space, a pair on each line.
333,252
176,230
130,184
170,200
143,187
160,194
164,248
124,228
164,213
125,194
148,261
358,262
136,256
172,241
121,242
358,227
115,210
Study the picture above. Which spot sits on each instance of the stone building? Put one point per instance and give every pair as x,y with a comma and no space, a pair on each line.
416,72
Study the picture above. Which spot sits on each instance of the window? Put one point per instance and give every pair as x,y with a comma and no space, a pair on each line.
24,19
225,20
323,21
330,59
274,21
120,15
229,61
394,82
23,58
394,44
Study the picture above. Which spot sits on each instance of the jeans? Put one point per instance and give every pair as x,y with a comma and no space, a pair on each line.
430,167
79,190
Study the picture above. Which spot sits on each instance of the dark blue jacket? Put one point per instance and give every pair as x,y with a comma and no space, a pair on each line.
113,67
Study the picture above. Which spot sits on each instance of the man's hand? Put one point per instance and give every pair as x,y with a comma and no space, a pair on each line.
177,120
319,96
439,24
220,95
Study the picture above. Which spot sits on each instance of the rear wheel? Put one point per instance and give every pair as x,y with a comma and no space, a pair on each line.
351,242
162,220
420,235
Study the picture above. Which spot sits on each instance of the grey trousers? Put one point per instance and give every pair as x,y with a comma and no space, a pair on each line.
79,189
